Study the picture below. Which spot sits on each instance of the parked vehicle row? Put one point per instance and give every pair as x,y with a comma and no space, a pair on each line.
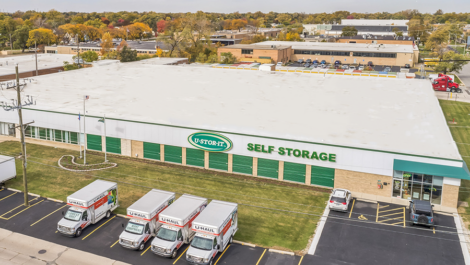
208,228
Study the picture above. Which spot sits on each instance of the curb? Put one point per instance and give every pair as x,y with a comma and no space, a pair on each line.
14,190
462,83
54,200
281,252
244,243
32,194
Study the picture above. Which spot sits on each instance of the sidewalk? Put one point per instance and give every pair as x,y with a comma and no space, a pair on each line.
20,249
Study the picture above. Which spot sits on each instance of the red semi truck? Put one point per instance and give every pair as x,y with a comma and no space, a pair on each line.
444,83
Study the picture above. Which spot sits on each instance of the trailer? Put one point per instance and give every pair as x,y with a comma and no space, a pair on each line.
88,206
214,229
176,225
144,215
7,168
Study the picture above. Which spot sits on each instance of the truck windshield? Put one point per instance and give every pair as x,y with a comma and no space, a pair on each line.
135,228
202,243
72,215
166,234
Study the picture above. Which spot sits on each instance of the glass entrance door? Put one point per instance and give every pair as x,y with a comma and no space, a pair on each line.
397,188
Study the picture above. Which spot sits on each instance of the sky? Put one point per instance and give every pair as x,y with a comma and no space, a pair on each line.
242,6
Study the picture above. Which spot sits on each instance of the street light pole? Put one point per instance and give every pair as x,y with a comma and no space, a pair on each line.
23,144
36,55
84,131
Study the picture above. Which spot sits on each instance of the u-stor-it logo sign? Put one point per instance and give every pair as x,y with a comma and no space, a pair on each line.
211,142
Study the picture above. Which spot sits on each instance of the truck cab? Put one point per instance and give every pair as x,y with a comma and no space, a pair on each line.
167,241
136,234
445,83
204,248
74,221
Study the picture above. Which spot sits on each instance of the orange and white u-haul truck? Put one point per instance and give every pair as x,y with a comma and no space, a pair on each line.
89,205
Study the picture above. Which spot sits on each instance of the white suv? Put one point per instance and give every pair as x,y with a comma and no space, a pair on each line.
339,200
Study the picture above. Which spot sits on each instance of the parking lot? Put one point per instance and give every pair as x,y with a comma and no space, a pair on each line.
379,233
378,68
40,219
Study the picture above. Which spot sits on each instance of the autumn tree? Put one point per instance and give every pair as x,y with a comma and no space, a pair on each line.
9,26
21,36
41,36
161,26
173,37
451,62
349,31
398,32
106,44
238,24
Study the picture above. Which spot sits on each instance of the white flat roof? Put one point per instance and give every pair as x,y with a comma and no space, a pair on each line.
375,22
215,213
151,201
92,190
346,47
28,62
399,115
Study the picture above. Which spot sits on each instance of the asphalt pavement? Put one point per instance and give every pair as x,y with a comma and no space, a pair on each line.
380,233
39,220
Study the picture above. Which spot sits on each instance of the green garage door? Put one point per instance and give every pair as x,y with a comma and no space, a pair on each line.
58,135
43,133
194,157
173,154
74,138
113,145
93,142
218,161
268,168
152,151
242,164
323,176
294,172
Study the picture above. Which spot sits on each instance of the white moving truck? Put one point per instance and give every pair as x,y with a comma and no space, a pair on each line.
89,205
7,168
214,228
144,214
176,225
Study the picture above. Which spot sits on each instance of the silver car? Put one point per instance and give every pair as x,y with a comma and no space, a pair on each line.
361,67
339,200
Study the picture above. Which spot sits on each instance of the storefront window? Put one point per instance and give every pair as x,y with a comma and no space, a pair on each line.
413,186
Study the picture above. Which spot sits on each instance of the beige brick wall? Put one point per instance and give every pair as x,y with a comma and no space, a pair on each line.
363,182
183,156
450,195
137,147
281,171
255,166
230,163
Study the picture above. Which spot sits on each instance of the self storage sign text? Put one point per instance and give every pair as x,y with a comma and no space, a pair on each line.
292,152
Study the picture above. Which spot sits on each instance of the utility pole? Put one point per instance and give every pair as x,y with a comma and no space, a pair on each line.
103,120
84,131
78,51
23,144
80,134
36,54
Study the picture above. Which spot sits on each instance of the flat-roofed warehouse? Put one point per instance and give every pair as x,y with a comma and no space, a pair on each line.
46,64
349,53
382,138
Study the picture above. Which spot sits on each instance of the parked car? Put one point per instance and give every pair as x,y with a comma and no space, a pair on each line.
345,67
328,66
361,67
339,200
421,213
370,63
407,65
307,65
315,61
300,61
352,67
309,61
279,64
323,62
323,65
337,62
387,69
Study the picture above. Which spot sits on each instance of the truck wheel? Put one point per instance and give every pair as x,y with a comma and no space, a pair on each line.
173,254
460,90
231,240
210,263
78,233
142,246
108,214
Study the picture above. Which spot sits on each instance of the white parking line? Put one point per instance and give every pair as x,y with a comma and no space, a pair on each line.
316,237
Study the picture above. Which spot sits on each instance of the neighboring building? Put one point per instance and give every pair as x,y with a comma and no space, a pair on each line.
47,64
225,41
368,135
337,30
405,40
375,22
247,34
349,53
258,53
316,29
142,47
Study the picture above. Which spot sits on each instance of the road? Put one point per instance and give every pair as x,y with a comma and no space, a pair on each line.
465,75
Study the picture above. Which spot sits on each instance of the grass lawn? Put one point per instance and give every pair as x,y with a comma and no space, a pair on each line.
460,112
457,79
261,226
